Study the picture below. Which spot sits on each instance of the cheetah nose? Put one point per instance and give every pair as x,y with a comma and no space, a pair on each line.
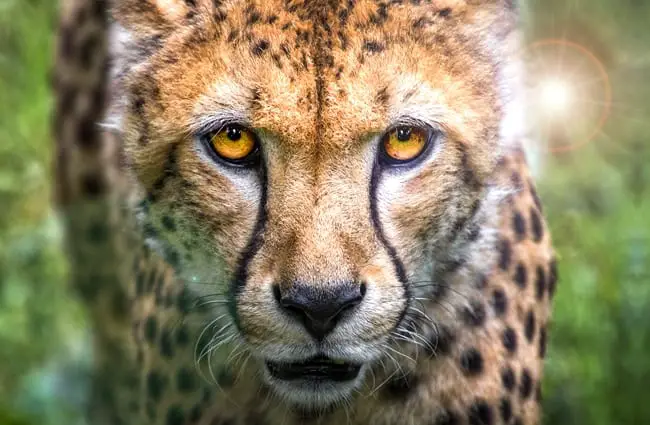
320,310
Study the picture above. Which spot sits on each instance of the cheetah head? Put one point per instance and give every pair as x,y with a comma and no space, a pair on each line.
312,168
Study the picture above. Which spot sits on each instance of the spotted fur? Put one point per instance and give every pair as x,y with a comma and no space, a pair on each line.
453,251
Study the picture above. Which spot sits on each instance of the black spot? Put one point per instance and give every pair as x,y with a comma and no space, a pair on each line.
471,362
519,225
499,302
521,276
540,283
536,199
182,336
151,411
150,329
87,136
86,50
505,254
481,281
225,378
149,231
93,185
172,258
552,277
186,380
166,344
89,287
373,46
253,18
175,415
195,414
506,409
402,385
260,47
441,342
140,279
169,223
446,417
151,281
202,344
474,314
480,413
529,326
542,342
509,339
155,386
474,232
536,225
232,35
169,300
98,233
469,176
515,179
219,15
184,301
382,96
526,386
120,304
421,22
508,379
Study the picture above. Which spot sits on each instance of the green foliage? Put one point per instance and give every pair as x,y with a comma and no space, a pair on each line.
597,200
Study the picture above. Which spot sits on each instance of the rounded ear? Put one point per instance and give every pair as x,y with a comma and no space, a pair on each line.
156,16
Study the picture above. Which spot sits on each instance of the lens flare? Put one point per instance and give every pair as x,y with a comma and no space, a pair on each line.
555,95
570,93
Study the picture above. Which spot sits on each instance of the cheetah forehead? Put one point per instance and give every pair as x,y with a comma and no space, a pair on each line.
361,63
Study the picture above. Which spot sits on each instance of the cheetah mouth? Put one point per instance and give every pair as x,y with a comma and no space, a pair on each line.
319,368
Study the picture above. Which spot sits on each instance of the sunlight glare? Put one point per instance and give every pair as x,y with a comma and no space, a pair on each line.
555,95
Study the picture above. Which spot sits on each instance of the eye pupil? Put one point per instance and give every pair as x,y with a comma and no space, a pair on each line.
233,133
403,134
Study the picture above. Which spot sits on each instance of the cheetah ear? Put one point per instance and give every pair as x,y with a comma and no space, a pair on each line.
148,17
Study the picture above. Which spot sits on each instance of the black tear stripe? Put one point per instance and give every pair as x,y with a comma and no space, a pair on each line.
392,253
253,246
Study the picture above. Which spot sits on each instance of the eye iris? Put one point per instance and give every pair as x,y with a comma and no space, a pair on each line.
405,143
233,143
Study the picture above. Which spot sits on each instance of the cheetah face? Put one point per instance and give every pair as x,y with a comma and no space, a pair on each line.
311,172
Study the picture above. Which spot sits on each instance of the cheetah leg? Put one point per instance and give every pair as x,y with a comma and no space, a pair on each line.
102,245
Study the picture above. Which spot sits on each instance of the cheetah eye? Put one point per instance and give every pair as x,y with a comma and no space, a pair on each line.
234,144
405,144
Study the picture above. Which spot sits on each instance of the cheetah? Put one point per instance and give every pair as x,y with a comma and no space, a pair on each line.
300,211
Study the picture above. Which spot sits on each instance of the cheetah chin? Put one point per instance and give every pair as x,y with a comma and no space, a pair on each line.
315,383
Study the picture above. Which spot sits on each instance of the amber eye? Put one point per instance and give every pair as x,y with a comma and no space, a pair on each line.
233,143
403,144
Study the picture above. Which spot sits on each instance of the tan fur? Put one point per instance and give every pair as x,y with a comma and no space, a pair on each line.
320,82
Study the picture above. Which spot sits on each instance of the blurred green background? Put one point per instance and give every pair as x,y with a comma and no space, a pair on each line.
596,197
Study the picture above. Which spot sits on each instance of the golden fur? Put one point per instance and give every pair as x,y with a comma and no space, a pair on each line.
441,245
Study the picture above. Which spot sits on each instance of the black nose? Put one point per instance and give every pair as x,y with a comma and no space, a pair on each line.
320,309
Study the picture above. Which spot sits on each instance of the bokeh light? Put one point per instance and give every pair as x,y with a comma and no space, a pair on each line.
569,94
